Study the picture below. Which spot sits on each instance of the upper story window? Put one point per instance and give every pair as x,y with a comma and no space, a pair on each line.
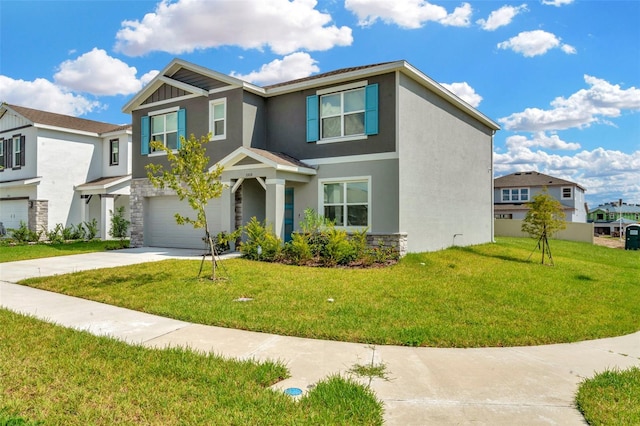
114,152
515,194
12,152
2,163
343,113
166,126
567,193
218,119
347,202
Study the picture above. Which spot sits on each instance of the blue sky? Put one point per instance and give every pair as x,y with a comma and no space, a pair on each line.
562,77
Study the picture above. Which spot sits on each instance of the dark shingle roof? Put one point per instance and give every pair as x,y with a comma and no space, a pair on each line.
327,74
66,121
520,179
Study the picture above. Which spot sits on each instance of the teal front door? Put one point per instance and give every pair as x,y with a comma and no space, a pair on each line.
288,214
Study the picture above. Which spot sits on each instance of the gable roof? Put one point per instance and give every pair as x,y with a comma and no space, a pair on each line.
171,75
614,208
520,179
39,117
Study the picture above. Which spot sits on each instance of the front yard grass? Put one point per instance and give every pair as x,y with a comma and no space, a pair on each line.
485,295
52,375
611,398
12,253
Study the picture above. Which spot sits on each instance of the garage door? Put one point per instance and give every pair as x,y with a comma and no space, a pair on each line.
161,229
12,212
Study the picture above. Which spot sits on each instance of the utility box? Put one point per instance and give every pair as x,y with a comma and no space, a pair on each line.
632,237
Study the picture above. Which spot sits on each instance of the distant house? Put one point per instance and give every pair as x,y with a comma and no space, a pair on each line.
610,218
61,169
512,192
381,148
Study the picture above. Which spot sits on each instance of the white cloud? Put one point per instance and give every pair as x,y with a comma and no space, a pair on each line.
464,92
187,25
97,73
291,67
542,140
407,13
44,95
583,108
568,49
534,43
603,173
501,17
557,3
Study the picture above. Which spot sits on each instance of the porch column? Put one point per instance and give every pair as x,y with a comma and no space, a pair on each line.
106,209
227,205
275,205
84,208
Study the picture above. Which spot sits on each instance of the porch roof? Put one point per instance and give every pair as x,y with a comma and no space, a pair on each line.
103,184
261,158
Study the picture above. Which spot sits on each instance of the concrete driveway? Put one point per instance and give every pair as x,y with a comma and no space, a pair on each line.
518,385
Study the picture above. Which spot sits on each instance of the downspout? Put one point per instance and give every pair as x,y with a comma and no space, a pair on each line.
493,216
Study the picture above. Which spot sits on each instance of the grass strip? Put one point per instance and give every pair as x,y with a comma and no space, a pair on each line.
53,375
13,253
611,398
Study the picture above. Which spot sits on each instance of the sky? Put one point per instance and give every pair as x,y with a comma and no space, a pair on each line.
561,77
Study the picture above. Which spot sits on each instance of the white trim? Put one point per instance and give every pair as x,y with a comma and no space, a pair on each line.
274,181
237,185
183,86
212,105
21,182
322,182
570,197
163,111
166,101
519,189
342,88
342,139
352,158
261,182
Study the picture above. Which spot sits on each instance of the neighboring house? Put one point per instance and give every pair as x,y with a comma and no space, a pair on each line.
380,147
61,169
609,218
512,192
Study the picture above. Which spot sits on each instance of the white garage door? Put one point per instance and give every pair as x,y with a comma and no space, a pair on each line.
12,212
161,229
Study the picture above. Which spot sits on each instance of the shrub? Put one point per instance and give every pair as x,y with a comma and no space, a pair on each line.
338,250
56,235
261,243
119,225
92,229
298,250
24,235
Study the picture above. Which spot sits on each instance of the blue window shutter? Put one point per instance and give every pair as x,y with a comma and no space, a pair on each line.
313,128
144,135
182,125
371,109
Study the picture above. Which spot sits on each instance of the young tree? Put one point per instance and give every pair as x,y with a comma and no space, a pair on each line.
544,218
190,176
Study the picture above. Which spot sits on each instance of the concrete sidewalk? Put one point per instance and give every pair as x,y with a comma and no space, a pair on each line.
519,385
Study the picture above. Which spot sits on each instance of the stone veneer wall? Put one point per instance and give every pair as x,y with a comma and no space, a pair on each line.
38,215
399,241
141,188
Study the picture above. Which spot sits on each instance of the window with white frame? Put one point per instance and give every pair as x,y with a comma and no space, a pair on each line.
218,119
567,193
342,114
114,152
164,128
2,157
17,151
515,194
347,202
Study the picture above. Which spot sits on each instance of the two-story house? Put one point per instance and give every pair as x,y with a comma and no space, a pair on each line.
612,218
61,169
379,147
513,191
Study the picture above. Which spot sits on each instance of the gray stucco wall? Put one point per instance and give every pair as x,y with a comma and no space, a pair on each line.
286,132
446,181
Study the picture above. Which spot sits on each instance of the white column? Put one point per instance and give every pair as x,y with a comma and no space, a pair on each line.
106,209
226,211
84,208
275,205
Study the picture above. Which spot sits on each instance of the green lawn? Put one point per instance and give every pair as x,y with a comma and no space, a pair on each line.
611,398
11,253
56,376
486,295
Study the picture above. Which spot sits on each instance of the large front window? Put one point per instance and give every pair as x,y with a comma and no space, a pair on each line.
515,194
347,203
342,114
164,128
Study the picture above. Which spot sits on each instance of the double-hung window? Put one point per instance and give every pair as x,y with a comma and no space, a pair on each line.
515,194
567,193
2,157
12,152
166,127
347,202
218,119
342,113
17,151
114,152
